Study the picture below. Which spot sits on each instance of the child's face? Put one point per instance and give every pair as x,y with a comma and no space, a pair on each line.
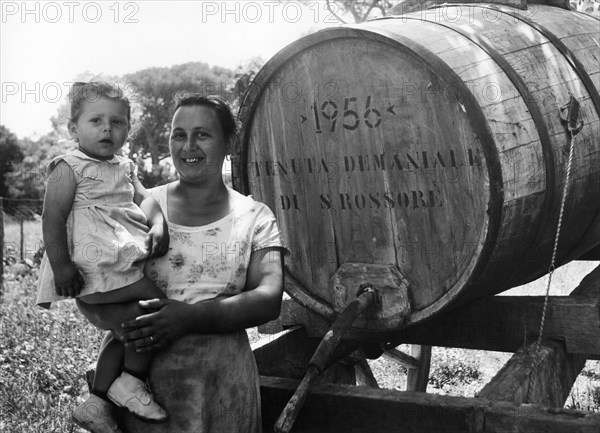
101,128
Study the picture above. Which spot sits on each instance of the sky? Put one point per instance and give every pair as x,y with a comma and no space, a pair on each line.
44,45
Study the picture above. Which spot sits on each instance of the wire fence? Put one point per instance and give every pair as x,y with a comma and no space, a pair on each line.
22,209
20,231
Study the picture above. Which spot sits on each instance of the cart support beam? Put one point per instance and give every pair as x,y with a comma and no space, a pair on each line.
339,408
505,323
543,376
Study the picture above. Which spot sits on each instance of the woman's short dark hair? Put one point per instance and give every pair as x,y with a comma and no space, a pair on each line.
229,122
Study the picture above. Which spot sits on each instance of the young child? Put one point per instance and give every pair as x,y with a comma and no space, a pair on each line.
99,226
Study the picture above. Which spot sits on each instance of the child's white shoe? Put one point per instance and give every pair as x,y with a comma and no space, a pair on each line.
96,415
130,392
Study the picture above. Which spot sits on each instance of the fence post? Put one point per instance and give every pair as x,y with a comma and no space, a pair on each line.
1,247
22,242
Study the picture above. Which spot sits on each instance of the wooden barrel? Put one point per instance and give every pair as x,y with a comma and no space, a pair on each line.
428,149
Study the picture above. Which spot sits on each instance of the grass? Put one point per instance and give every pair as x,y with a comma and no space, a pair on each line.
44,356
462,372
43,359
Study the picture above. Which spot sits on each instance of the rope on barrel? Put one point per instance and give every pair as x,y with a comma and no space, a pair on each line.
573,127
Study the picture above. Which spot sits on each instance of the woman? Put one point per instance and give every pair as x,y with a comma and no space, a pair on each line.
222,274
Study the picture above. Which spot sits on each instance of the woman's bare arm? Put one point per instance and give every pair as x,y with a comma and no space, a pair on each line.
259,303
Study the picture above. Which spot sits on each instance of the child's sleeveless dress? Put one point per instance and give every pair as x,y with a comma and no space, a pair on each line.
106,230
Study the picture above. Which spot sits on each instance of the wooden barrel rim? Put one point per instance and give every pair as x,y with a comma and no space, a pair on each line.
459,90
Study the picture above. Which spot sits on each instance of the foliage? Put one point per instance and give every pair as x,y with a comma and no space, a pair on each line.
591,7
153,90
452,368
585,394
156,175
10,155
244,74
27,180
356,10
43,359
361,10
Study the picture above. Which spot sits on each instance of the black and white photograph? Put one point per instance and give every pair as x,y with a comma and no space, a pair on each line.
300,216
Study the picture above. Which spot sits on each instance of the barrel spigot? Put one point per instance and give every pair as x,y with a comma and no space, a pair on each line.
365,298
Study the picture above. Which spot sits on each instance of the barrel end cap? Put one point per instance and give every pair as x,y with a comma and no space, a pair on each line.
393,293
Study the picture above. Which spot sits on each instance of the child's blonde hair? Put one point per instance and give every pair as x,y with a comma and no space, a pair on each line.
82,92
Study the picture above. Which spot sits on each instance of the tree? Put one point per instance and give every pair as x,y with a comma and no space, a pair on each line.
591,7
10,155
362,10
29,181
152,91
244,74
357,10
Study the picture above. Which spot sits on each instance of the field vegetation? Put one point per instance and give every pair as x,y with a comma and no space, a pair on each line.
44,354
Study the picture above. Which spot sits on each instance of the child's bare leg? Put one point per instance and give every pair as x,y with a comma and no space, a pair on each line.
143,289
108,366
115,358
107,310
121,305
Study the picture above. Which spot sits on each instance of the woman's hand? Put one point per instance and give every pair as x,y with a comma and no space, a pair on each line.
157,243
67,280
163,325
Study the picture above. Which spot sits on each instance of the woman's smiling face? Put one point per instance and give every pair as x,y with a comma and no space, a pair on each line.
197,143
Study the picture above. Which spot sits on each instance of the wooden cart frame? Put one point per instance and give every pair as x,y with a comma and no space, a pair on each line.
526,395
